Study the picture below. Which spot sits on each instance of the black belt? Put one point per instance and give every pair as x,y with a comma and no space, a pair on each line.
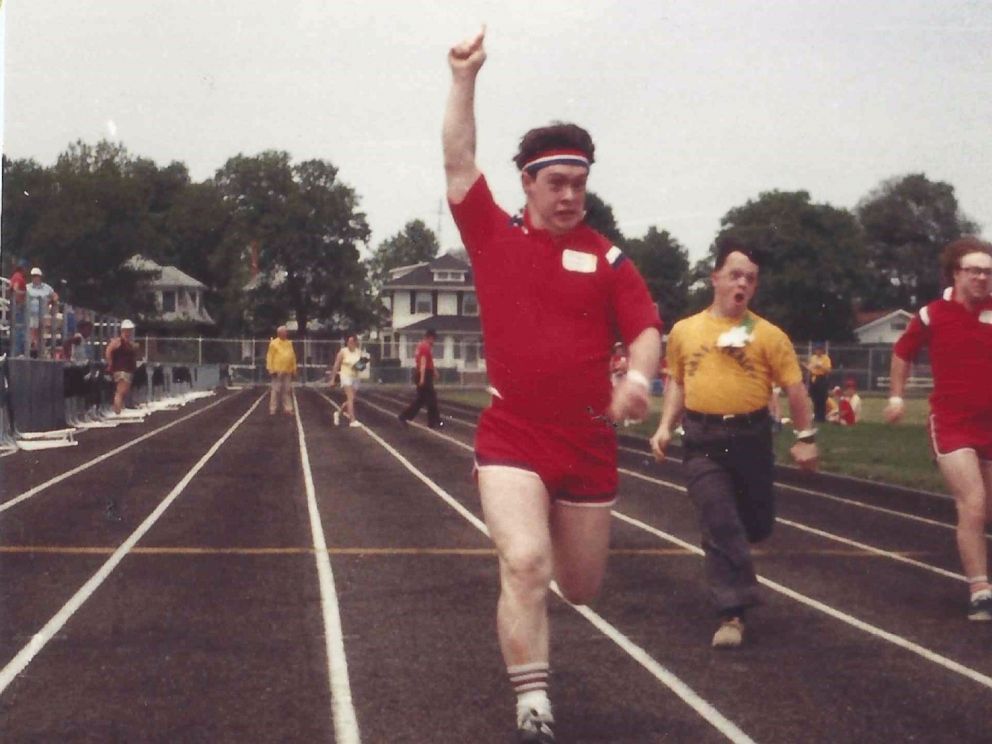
733,419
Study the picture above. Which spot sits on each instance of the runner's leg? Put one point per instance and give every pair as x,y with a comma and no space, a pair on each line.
580,537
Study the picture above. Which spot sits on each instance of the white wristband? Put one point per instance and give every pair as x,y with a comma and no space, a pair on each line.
638,379
895,400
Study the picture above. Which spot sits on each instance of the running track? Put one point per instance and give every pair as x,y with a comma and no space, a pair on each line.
240,577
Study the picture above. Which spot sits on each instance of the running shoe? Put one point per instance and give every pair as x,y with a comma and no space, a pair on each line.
354,423
730,634
980,607
535,728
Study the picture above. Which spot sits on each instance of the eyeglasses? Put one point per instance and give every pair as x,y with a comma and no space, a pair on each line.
976,270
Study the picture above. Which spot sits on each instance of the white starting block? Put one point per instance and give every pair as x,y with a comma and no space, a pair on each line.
38,440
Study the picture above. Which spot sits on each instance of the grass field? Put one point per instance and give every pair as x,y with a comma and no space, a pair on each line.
898,454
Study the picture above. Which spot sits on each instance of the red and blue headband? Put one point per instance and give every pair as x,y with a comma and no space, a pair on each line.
556,157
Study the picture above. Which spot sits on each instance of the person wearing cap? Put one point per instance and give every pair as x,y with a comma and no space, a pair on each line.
280,362
545,449
724,362
41,298
122,361
818,365
849,403
957,331
423,379
18,303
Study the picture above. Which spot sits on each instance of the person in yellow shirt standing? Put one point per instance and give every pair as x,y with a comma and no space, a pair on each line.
280,362
819,367
723,363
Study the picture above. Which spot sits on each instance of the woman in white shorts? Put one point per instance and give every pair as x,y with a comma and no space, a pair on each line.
345,367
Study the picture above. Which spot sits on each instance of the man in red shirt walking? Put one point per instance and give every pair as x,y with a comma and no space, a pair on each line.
423,378
958,331
546,453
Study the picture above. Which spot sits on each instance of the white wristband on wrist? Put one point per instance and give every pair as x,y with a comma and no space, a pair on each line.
638,379
895,400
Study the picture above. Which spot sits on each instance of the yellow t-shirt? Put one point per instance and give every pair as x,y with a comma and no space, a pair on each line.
281,357
729,380
819,365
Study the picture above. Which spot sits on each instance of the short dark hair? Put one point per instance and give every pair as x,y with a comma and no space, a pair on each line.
950,259
430,333
558,135
727,244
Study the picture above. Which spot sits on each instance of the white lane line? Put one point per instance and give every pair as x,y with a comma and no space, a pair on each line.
342,705
638,654
16,665
820,533
97,460
873,630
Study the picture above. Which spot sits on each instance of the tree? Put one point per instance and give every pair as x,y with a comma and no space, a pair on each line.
664,264
307,229
413,244
907,221
813,261
599,216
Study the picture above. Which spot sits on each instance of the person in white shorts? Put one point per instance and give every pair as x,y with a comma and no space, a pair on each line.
347,364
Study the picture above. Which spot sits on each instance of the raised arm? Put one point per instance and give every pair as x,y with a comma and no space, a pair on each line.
458,131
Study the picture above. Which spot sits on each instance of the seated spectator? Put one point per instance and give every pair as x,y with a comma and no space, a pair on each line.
618,363
850,404
833,405
41,298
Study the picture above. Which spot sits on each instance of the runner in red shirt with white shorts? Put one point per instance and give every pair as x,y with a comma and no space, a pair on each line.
958,331
546,448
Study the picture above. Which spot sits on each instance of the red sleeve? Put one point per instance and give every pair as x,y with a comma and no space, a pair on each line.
633,307
914,338
477,216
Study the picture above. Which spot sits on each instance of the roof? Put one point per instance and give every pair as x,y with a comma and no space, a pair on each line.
446,324
422,275
865,320
168,276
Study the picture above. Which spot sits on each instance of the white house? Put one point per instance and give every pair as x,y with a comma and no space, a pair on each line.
436,294
882,326
178,296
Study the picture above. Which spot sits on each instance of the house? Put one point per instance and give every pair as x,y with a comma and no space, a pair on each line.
436,294
178,296
881,326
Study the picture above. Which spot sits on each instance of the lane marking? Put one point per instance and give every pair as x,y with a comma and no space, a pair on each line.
97,460
344,719
16,665
703,708
873,630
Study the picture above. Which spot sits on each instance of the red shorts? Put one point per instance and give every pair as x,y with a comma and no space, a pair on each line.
949,433
577,464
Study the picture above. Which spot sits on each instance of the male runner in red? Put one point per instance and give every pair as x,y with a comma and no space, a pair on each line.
545,449
958,331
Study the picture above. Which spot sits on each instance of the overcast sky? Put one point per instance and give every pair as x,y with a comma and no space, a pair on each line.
696,106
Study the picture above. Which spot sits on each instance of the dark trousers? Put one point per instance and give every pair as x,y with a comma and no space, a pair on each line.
818,393
730,468
425,395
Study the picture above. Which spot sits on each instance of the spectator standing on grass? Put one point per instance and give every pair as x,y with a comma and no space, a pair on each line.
553,294
18,308
41,298
280,363
122,360
957,329
348,363
723,363
818,365
423,378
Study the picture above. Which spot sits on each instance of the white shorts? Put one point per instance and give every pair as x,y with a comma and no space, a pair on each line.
347,381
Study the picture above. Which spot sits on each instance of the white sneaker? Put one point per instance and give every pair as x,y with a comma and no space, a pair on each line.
337,418
354,423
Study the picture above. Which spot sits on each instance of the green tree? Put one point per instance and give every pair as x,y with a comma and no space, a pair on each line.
599,216
907,221
813,261
413,244
308,232
664,264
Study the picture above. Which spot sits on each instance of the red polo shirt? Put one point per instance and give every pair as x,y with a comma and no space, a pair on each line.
424,352
960,342
551,308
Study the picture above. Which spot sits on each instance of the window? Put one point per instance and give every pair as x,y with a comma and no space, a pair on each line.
899,324
168,301
423,303
449,276
470,304
456,349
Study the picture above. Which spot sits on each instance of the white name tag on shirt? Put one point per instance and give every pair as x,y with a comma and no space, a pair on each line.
985,316
584,263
